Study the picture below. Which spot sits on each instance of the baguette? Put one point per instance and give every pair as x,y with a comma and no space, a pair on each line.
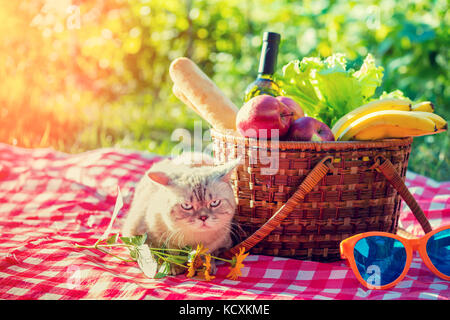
202,94
177,92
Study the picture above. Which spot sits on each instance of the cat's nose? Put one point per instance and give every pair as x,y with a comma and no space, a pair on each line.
203,218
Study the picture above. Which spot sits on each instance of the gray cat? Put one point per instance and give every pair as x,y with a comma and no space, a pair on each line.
179,203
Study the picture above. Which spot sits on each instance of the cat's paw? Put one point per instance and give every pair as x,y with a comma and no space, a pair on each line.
176,270
213,269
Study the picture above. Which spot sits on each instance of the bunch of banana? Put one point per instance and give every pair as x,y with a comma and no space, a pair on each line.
389,118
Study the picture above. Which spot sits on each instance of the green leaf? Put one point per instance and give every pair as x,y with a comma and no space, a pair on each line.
135,240
369,77
112,239
159,275
341,93
328,89
133,253
396,94
163,271
126,240
139,239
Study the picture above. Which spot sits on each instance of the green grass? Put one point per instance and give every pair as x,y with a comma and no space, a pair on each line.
430,156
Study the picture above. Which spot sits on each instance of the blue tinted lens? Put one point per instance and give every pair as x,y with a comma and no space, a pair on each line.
380,260
438,249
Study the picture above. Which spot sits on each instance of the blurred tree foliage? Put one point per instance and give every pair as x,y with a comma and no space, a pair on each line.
78,75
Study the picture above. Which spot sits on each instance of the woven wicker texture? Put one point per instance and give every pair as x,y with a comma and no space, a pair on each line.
351,197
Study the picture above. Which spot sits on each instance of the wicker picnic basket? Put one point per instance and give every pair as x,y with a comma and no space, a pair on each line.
319,193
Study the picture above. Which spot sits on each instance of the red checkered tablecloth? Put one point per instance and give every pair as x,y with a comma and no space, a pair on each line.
50,200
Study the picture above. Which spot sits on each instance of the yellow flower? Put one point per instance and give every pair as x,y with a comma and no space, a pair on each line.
237,265
207,270
207,263
191,270
196,260
207,276
200,250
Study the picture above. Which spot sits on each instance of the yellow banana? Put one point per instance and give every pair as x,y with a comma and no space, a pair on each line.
426,106
401,119
374,106
388,131
440,122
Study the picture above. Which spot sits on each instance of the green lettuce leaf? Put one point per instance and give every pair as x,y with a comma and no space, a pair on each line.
369,76
396,94
296,82
326,89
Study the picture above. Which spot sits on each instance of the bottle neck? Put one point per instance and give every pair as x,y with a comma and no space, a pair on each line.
269,52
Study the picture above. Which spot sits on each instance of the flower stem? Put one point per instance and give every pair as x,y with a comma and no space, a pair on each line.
167,249
96,246
114,245
159,254
115,256
222,259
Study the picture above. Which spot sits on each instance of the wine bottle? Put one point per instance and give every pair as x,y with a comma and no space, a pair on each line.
264,83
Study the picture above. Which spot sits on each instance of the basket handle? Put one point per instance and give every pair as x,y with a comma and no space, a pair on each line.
386,167
313,178
381,164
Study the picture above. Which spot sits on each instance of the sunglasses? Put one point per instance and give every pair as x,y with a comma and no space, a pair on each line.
380,260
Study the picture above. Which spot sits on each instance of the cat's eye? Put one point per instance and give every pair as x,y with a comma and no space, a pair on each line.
214,203
186,206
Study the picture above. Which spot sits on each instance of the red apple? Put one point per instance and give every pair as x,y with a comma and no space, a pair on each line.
262,114
293,106
309,129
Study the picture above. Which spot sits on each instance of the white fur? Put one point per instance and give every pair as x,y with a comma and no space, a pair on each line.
156,209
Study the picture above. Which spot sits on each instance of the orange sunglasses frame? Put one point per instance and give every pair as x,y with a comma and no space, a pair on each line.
411,245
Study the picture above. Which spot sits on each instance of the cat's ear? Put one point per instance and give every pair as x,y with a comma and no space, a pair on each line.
226,169
159,177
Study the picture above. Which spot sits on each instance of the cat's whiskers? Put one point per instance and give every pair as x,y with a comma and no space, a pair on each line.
172,202
236,230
